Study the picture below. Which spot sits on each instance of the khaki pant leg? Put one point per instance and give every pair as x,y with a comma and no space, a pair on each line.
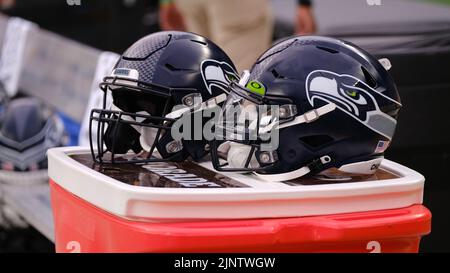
242,28
194,15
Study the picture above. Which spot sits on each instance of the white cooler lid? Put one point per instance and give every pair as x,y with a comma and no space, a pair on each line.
230,195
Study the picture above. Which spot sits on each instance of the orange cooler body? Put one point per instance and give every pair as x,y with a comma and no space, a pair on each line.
83,227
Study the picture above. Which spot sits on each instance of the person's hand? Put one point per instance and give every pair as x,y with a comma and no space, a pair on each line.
170,18
306,23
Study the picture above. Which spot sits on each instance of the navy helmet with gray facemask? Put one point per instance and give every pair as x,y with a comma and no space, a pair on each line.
28,128
308,104
158,79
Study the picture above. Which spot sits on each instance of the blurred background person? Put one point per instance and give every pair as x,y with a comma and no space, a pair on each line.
5,4
305,23
244,29
413,35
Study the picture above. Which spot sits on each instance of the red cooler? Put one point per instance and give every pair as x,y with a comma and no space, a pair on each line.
149,209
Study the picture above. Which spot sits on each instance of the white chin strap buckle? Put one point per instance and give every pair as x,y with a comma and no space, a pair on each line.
147,137
311,116
238,154
311,167
212,102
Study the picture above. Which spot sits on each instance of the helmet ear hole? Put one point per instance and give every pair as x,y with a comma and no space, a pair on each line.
277,75
292,153
370,80
315,141
200,42
172,67
329,50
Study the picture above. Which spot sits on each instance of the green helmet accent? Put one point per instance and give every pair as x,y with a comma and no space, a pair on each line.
352,94
231,77
256,87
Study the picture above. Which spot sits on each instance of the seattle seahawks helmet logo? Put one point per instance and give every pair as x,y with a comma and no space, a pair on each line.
353,97
218,74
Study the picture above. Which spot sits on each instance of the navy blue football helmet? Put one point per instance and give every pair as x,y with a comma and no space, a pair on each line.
28,128
308,104
157,73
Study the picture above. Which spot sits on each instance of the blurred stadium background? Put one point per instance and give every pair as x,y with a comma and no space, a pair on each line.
413,34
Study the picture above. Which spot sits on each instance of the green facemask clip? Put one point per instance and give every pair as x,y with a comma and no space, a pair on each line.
256,87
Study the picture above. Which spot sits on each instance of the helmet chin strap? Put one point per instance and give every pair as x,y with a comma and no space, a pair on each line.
310,116
212,102
363,167
147,138
147,134
295,174
307,117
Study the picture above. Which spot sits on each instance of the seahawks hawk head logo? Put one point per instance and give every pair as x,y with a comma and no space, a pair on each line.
218,74
352,96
